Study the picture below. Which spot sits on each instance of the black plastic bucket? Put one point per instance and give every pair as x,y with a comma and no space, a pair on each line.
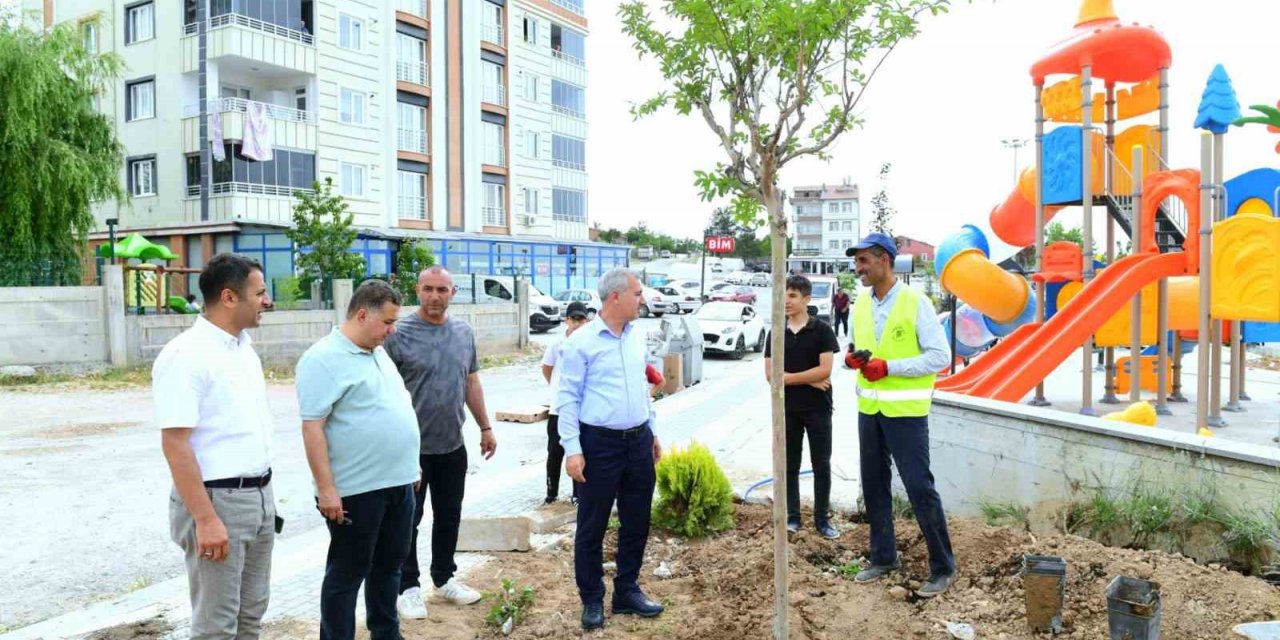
1044,584
1133,609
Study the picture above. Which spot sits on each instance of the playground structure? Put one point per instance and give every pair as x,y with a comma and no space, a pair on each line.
1205,251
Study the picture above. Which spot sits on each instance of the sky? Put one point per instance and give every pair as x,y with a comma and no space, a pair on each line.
937,110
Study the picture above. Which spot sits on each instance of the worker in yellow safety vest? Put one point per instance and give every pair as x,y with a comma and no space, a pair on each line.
898,347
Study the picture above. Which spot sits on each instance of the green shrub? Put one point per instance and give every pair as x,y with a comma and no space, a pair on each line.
694,496
288,293
510,606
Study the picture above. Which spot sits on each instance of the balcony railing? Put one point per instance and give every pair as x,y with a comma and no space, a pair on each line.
415,7
240,105
572,5
492,33
415,72
236,19
568,112
566,164
246,188
412,208
495,94
496,156
414,140
495,216
560,55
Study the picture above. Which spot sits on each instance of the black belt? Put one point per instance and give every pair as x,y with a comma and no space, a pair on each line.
617,433
240,483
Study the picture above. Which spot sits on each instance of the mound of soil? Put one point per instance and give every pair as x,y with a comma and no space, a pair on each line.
721,588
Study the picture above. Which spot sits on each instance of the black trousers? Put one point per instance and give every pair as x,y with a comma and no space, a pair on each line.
445,476
555,459
906,439
817,424
371,550
619,468
841,320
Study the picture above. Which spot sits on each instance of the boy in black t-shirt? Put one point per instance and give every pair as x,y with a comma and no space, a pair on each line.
810,349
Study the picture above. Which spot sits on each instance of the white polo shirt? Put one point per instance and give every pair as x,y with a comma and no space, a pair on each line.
211,381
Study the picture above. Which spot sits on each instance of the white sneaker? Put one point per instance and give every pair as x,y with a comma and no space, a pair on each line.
411,606
458,593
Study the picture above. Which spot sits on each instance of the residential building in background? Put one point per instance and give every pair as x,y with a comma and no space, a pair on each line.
826,220
460,122
919,249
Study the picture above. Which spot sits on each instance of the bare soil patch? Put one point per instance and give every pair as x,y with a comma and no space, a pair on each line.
149,628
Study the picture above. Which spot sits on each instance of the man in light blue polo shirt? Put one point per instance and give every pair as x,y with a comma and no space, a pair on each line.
362,443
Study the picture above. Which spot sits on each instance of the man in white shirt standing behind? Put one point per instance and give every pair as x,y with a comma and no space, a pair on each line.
211,405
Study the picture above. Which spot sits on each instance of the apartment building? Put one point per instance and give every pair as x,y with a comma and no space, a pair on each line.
826,220
460,122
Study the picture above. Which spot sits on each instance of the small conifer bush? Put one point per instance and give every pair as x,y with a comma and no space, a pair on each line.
694,496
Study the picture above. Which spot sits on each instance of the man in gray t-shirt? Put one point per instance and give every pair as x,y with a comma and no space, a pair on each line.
436,356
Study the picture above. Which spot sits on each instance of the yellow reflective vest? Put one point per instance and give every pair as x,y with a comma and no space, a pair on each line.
892,396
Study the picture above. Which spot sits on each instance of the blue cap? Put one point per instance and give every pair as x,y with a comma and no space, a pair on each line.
874,240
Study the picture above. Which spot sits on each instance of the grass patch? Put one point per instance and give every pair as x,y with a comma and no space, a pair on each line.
999,514
849,570
902,507
1147,513
105,379
1249,539
614,523
141,582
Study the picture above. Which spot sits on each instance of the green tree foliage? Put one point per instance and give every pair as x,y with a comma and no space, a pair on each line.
641,236
412,257
321,223
882,210
57,155
694,496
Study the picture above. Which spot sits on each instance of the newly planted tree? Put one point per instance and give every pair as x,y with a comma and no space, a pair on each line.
775,81
323,233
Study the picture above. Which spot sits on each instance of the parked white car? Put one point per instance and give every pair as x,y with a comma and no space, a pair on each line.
738,277
544,312
760,279
731,328
585,296
688,292
656,303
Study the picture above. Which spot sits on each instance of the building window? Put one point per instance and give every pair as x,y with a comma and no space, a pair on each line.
491,76
141,100
411,59
494,144
532,144
139,22
833,207
495,205
570,153
351,179
848,225
350,32
568,45
232,91
531,197
491,23
531,82
411,134
89,35
351,106
300,98
833,245
568,98
569,205
142,177
833,226
848,243
286,172
846,207
530,30
412,195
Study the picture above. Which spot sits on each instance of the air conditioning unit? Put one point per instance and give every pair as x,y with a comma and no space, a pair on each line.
527,220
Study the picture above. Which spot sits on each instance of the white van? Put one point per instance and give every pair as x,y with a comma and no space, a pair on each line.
544,312
824,293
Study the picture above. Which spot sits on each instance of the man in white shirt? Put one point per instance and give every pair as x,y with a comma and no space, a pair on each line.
575,317
211,405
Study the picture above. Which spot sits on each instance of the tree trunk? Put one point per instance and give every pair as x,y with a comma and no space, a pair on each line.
777,326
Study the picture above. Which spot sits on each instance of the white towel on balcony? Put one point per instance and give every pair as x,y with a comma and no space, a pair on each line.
215,136
256,138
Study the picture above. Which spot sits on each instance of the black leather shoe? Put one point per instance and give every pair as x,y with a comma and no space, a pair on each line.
593,616
793,524
635,603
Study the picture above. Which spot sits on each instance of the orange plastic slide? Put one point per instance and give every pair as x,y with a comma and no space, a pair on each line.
1013,368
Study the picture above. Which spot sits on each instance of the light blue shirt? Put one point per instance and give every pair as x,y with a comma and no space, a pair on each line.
369,419
602,382
935,351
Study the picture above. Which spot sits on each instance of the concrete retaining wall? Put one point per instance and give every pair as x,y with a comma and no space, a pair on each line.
987,450
285,335
47,325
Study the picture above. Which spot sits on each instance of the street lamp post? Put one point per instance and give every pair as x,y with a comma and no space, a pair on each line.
1015,144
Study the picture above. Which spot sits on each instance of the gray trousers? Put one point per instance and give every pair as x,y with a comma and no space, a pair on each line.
229,598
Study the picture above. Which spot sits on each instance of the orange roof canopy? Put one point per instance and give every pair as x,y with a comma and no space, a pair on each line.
1115,52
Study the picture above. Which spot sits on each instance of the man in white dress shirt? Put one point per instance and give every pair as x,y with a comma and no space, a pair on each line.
211,407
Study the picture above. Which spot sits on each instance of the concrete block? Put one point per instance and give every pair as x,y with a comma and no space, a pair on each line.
526,415
510,533
548,518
